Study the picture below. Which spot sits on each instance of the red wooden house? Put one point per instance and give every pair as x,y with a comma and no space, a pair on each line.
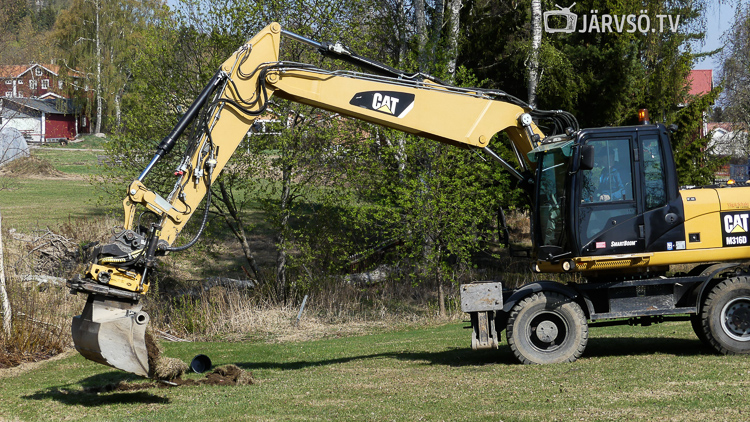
34,102
41,121
33,81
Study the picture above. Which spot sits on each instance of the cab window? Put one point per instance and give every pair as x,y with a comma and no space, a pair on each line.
653,172
606,191
611,179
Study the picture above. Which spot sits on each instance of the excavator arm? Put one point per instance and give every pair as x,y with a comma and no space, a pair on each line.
112,327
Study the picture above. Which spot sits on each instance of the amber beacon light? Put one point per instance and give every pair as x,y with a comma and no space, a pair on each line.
643,117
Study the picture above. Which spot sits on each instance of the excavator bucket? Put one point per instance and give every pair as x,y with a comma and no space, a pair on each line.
112,331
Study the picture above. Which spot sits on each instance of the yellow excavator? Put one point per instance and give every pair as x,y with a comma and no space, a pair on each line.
606,204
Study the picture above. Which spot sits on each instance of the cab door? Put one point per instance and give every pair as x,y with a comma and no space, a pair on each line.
607,218
663,213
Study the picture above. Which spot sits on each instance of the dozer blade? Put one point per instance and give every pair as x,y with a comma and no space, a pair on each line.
112,331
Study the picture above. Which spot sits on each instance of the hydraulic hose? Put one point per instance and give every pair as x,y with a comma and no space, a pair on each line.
113,260
210,164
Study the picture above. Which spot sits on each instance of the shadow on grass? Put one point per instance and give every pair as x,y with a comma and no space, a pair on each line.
451,357
597,347
88,397
626,346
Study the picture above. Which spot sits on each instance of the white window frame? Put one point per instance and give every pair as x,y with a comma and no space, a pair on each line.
9,82
33,84
38,71
45,83
59,84
8,93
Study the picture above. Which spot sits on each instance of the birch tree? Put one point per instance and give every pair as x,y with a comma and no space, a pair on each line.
3,289
536,44
100,39
421,21
454,20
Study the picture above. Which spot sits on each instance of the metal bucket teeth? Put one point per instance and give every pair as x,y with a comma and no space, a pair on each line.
113,332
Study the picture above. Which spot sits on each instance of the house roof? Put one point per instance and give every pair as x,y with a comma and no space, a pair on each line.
700,82
50,106
16,71
50,95
52,68
725,126
7,113
12,71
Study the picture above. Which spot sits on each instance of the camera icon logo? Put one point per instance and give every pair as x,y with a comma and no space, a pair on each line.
562,20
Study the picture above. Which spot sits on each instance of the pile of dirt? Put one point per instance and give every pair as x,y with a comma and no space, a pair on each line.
154,353
168,372
228,375
31,167
169,368
225,375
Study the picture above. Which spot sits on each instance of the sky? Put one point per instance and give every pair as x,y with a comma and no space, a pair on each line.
720,18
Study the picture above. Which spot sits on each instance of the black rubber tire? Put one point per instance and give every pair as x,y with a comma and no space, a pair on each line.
695,322
725,316
547,327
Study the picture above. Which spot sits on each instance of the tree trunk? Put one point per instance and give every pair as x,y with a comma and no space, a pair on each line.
419,17
281,238
238,228
118,113
3,290
536,43
439,281
399,152
98,72
441,298
402,23
438,19
453,31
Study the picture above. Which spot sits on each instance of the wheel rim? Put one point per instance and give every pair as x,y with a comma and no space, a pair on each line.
735,319
547,331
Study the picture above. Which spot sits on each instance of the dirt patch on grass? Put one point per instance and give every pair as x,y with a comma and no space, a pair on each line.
231,375
225,375
34,168
169,371
14,371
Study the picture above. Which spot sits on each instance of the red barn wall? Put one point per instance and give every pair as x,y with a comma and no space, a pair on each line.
60,126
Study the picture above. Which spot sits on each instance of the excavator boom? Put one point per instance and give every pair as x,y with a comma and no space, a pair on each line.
112,328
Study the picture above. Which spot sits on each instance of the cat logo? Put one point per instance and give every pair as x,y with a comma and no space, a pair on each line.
735,228
736,223
397,104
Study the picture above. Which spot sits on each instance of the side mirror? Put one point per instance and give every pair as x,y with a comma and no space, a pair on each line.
587,157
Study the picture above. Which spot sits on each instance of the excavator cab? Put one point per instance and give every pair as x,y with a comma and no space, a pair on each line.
607,192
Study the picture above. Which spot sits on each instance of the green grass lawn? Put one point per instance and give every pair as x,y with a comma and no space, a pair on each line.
660,372
39,203
84,142
71,161
627,373
30,203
